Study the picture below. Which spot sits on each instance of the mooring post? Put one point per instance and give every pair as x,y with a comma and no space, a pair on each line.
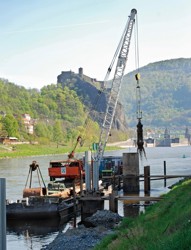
147,181
113,201
2,214
164,173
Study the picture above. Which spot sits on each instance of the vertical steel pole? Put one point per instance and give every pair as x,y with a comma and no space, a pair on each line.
2,214
95,175
147,185
164,173
88,170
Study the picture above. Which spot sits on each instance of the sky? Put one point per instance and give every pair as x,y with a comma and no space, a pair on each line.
41,38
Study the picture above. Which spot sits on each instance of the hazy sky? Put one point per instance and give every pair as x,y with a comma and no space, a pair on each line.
41,38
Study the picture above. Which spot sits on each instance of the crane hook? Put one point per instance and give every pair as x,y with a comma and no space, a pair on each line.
140,140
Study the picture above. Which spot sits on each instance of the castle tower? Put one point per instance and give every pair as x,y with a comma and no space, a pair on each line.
80,72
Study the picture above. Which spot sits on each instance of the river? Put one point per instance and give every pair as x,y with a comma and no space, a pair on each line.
34,237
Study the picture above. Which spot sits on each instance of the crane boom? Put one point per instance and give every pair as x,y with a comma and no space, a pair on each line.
116,84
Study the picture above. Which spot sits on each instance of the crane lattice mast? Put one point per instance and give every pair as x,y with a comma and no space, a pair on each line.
116,84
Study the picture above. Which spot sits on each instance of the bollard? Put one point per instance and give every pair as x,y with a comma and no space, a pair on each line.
113,202
147,181
164,173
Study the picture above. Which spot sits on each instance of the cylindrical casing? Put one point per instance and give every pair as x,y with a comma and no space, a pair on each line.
88,170
38,191
95,176
130,173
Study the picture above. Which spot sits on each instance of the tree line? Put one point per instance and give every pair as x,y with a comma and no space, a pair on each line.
58,114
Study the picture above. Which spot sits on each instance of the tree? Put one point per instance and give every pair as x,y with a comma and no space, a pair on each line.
10,125
42,130
57,132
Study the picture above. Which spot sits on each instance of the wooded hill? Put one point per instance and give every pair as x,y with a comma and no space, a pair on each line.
165,94
57,113
60,110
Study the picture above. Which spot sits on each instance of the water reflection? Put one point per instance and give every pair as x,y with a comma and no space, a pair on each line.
33,227
31,234
131,210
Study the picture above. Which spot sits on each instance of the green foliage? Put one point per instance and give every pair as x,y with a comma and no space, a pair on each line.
165,101
165,225
51,103
57,132
165,94
10,125
116,136
41,130
43,148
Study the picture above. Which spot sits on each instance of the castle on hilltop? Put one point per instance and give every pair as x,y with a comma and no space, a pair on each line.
65,75
88,88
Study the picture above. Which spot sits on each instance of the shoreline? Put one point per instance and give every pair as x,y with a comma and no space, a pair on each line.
130,144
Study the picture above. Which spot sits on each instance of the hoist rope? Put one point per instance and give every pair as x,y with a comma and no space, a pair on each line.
137,76
140,139
92,113
136,46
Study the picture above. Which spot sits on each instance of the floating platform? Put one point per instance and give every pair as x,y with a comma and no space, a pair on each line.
41,208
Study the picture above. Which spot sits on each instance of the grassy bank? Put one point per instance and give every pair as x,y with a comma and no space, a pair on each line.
165,225
24,150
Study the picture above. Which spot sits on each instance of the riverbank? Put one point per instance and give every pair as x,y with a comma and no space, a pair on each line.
102,224
24,150
165,225
131,143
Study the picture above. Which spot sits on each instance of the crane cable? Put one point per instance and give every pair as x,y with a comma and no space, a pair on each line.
91,113
137,76
140,140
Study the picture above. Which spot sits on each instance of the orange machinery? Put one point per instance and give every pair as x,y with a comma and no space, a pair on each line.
67,169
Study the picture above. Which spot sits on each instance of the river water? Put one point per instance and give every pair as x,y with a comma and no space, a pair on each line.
34,237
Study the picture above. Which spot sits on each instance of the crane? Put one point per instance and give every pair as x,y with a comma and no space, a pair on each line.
72,168
123,47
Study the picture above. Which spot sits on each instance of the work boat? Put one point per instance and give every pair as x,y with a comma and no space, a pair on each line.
38,204
62,173
33,208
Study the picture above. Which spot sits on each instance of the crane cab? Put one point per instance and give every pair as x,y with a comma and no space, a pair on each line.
110,165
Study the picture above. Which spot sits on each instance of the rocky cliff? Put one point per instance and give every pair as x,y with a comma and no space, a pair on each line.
88,90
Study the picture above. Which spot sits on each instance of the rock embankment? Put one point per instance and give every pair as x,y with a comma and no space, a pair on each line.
83,238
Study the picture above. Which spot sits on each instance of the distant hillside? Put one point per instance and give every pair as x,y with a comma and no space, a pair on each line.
48,107
87,90
165,91
165,94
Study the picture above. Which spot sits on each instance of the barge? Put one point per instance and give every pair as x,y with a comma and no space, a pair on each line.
41,208
40,204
